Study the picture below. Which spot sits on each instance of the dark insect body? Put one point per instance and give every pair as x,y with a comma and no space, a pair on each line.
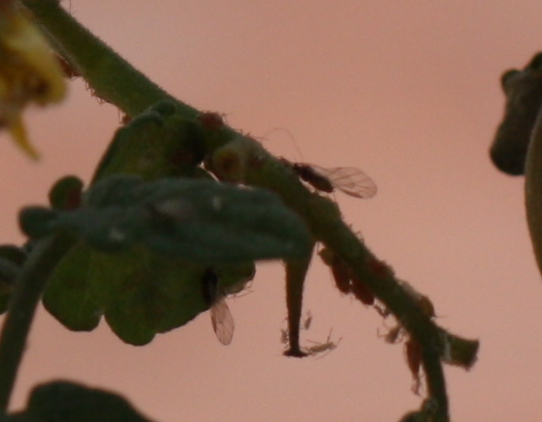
211,120
413,354
362,292
348,180
339,270
345,280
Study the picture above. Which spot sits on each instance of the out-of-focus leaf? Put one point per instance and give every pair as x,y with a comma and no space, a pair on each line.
139,292
158,143
68,296
14,254
199,220
37,222
64,401
66,193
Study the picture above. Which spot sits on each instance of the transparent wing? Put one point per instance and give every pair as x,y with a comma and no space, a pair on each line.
349,180
222,321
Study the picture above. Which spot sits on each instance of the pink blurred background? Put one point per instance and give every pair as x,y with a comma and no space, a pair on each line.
407,91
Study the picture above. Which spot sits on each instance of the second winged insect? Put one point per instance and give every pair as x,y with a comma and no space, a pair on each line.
221,318
349,180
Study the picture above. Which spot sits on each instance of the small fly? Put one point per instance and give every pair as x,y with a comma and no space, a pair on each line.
221,318
322,349
348,180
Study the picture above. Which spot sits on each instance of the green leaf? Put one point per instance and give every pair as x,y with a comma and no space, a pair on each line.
146,278
68,296
63,401
139,292
197,220
157,143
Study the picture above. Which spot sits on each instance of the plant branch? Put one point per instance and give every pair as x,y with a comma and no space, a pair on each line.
111,77
21,309
323,217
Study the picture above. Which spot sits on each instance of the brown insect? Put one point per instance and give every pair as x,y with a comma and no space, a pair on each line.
211,120
413,354
69,69
423,301
307,321
348,180
345,280
339,270
362,292
221,318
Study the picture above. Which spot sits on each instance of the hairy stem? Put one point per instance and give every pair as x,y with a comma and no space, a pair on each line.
111,77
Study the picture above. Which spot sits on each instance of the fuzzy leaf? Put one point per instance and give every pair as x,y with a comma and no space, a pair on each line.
63,401
139,292
196,220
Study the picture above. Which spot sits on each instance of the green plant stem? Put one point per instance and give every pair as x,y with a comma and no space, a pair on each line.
109,75
21,309
325,222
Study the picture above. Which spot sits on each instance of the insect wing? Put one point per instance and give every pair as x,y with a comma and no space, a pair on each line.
222,321
349,180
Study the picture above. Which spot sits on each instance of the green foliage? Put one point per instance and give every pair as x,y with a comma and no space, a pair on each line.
145,246
63,401
157,143
197,220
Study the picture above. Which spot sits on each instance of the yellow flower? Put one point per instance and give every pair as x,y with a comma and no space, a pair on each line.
29,73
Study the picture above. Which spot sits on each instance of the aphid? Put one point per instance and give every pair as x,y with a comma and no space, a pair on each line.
413,353
380,268
349,180
423,301
211,120
69,70
394,335
344,278
362,292
339,270
221,318
125,118
322,348
307,321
